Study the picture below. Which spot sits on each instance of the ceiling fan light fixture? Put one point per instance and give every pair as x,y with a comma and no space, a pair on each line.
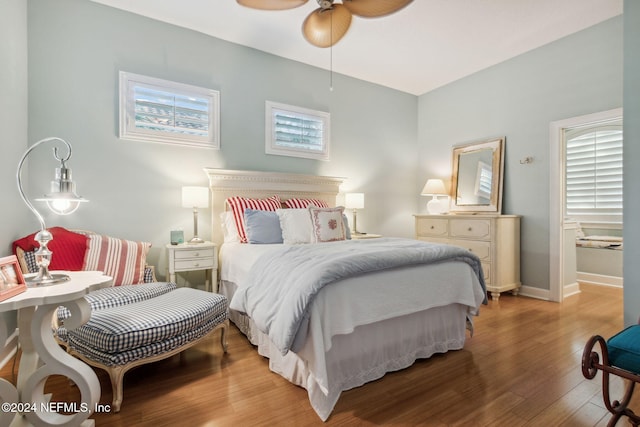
374,8
325,27
272,4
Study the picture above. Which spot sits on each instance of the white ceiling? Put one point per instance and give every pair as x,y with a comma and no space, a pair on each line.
426,45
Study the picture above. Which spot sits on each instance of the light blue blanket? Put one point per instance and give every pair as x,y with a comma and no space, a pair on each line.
282,284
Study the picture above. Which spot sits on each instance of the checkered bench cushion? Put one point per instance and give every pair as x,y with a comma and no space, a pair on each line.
113,297
139,324
153,349
121,295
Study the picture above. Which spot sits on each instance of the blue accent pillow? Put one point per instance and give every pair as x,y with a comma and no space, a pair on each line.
262,227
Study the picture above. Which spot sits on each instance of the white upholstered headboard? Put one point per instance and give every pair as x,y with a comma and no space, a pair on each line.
225,183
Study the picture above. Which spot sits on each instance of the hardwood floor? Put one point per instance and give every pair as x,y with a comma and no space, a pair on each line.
521,368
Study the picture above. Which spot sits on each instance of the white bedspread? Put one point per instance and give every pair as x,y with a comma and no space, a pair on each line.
348,343
281,285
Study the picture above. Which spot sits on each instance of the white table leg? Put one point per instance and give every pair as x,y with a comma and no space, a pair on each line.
43,357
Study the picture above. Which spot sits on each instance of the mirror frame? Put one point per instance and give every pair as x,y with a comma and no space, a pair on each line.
495,203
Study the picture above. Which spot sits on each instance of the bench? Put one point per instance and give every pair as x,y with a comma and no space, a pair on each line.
619,356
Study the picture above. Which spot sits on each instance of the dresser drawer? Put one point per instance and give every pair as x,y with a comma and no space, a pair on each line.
481,249
194,253
431,227
194,264
471,228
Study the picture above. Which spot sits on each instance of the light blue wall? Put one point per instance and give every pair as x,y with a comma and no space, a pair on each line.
13,117
13,122
579,74
631,158
77,48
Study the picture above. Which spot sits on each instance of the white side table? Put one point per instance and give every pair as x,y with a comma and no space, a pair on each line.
43,357
194,257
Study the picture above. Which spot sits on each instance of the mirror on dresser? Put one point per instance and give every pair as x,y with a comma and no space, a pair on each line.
477,175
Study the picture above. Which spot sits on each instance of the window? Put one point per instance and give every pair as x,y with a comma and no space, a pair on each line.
593,172
297,132
158,110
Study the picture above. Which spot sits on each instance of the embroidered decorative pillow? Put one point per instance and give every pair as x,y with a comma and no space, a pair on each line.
327,224
295,225
124,260
239,204
263,227
304,203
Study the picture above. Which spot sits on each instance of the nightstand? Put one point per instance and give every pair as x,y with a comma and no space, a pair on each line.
355,236
194,257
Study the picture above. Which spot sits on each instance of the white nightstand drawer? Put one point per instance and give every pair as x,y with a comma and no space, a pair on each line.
194,253
194,264
432,227
471,228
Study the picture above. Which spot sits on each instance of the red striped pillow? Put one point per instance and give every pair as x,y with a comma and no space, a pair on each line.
124,260
239,204
304,203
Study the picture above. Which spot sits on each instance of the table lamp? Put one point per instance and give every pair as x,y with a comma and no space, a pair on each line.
354,201
434,188
195,197
62,200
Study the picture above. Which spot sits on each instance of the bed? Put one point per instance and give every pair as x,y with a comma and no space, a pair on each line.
357,326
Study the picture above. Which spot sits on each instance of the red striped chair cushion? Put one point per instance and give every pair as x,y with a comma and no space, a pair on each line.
238,205
304,203
124,260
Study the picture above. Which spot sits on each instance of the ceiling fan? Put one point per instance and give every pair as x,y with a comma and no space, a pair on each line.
326,25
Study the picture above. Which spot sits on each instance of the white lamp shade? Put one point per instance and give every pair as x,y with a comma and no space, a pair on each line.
354,201
195,197
433,186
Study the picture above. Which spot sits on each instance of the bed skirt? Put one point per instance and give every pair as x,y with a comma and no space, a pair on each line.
364,355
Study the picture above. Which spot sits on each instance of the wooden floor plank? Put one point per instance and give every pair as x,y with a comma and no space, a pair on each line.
521,368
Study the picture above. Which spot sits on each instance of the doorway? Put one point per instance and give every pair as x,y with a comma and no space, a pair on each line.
559,227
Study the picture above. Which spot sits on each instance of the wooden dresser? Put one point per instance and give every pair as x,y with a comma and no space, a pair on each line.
495,239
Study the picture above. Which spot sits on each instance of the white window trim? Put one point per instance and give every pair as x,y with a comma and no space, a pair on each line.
270,140
129,131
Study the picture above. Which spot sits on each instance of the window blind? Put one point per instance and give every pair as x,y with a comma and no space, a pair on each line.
296,130
163,111
593,173
157,110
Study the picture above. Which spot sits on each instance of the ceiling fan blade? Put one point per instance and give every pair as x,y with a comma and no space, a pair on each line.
325,27
374,8
272,4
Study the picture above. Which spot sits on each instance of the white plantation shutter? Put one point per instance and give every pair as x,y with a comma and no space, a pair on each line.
296,131
593,173
163,111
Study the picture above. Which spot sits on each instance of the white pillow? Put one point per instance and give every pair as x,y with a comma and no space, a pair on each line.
229,229
296,226
327,224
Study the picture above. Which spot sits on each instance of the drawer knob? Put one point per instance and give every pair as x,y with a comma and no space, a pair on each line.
197,264
198,253
432,227
469,229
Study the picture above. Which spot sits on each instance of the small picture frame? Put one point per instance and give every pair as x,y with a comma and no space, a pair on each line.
11,279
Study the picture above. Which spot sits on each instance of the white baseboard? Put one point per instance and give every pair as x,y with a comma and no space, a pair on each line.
600,279
529,291
571,289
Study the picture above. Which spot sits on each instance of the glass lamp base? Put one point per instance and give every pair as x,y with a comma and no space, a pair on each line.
48,280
